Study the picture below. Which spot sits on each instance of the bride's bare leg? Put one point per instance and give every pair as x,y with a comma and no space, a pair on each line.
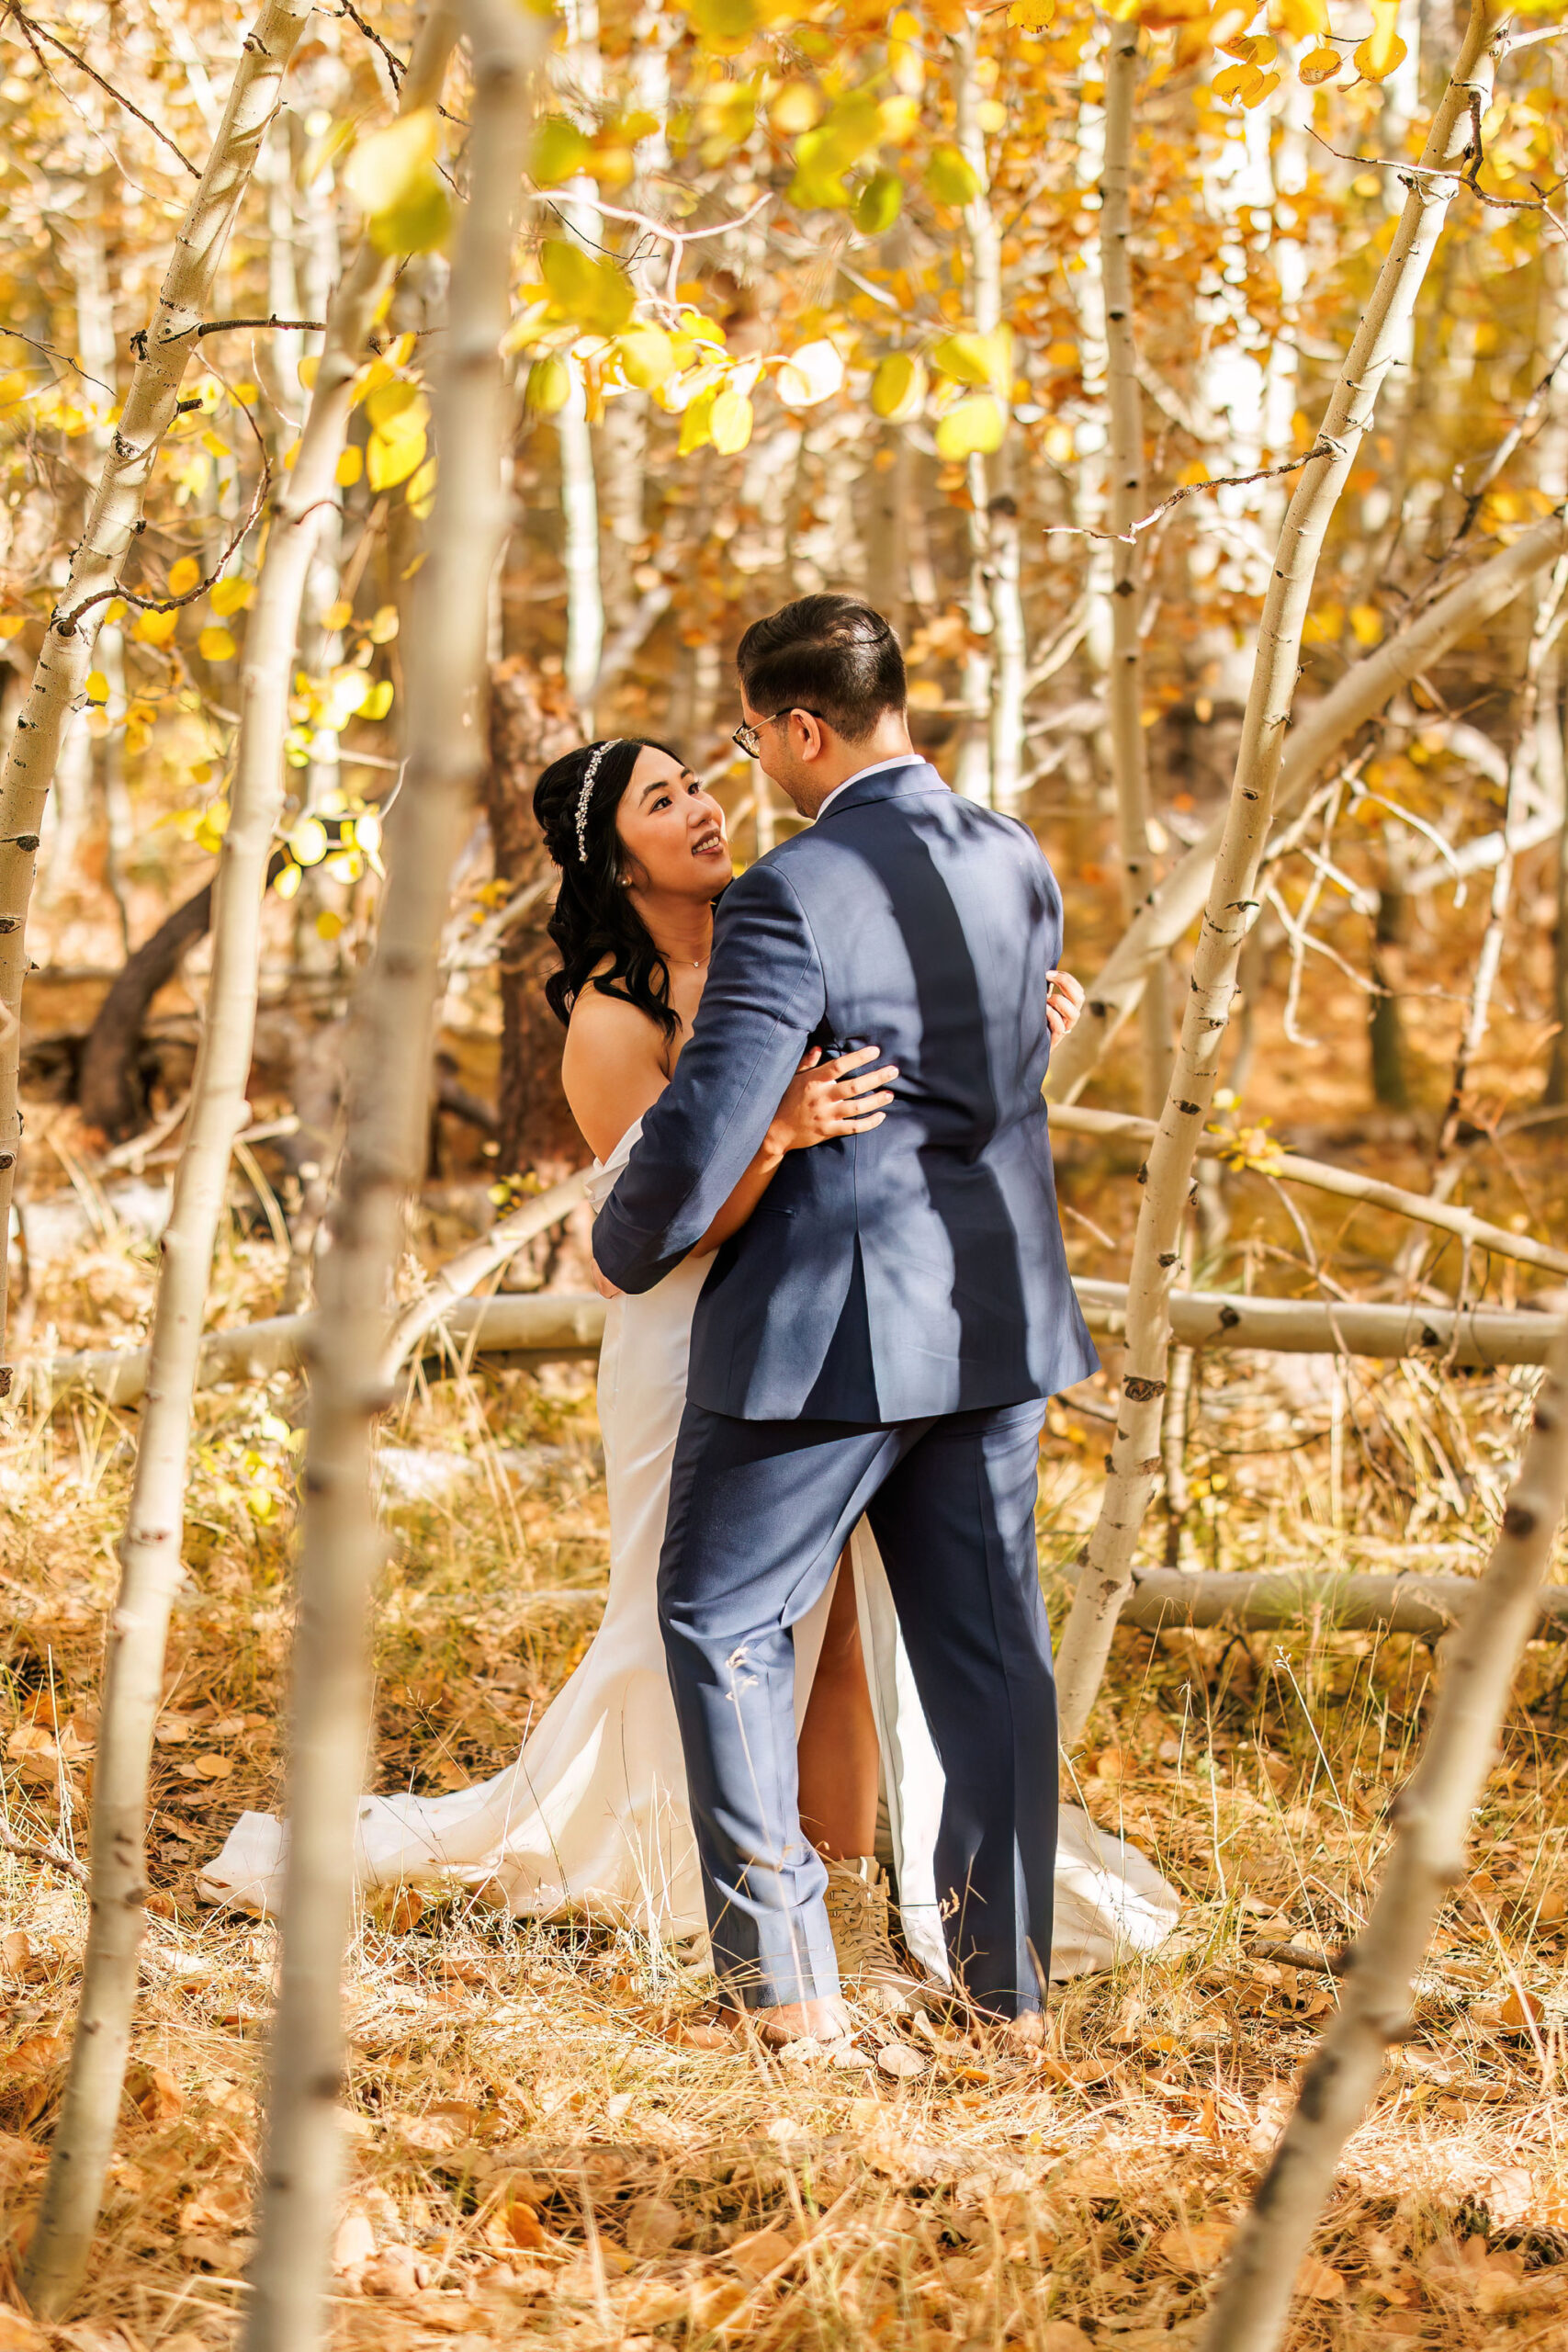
838,1755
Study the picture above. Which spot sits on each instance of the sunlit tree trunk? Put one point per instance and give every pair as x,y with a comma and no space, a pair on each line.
973,775
383,1161
1129,749
1232,903
114,513
579,487
151,1545
1432,1823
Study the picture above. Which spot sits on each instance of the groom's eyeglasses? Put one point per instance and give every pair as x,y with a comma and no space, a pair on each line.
748,739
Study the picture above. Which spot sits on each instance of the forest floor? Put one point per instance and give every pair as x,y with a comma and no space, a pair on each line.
535,2152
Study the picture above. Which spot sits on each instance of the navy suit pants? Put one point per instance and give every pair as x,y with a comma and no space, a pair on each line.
759,1513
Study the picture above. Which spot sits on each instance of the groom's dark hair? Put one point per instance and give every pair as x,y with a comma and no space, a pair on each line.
830,654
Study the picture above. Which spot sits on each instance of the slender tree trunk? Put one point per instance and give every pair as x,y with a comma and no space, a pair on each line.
1009,641
149,1548
383,1159
1385,1013
60,679
1116,989
974,775
579,487
1129,746
1432,1822
1136,1456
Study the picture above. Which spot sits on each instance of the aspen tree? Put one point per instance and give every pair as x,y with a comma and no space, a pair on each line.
151,1546
1432,1821
113,515
383,1159
1129,748
1227,916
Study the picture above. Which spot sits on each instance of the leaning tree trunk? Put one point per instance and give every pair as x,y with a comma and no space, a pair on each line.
383,1159
1157,1249
1432,1821
1129,744
149,1548
531,722
1115,991
113,520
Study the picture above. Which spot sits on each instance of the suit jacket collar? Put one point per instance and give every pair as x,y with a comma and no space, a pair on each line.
913,774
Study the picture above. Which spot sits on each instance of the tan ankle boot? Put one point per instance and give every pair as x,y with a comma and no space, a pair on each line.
868,1967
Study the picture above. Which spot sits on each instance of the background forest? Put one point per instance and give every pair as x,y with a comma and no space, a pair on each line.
1165,376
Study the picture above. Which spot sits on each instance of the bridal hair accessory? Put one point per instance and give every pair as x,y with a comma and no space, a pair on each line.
586,795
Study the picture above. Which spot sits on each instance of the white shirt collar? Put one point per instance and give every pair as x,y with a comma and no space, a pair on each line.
902,760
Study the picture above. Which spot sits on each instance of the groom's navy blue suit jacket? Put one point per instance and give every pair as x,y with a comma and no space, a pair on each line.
918,1270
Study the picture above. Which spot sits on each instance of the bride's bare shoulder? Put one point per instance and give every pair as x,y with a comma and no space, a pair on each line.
613,1066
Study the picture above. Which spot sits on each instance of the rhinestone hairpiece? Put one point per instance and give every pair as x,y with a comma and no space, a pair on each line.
586,795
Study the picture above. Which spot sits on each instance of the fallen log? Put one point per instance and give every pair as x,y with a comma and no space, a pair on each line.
1261,1600
546,1326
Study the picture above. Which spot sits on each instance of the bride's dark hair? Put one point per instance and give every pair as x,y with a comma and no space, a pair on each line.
593,916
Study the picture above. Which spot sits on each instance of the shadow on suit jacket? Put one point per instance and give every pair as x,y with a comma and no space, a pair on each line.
920,1269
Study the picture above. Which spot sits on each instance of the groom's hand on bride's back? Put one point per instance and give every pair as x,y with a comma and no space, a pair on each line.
841,1097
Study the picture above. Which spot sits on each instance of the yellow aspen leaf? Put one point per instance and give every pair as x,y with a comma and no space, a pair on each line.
397,407
387,163
338,615
391,460
1300,18
382,626
730,426
560,151
349,467
183,575
231,595
1252,49
696,423
899,387
1366,623
288,881
115,610
647,356
98,688
1193,472
1031,16
1319,2282
155,628
379,701
12,625
306,371
307,843
725,25
972,429
1261,86
421,491
212,827
810,374
1324,625
549,385
1319,65
1382,50
897,119
343,866
879,204
796,108
367,837
596,294
1061,443
982,360
291,456
951,176
328,925
215,644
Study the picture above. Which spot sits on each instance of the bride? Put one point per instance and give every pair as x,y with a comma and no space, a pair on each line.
591,1818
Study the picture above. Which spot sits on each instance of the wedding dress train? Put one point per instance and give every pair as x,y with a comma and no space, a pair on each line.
591,1818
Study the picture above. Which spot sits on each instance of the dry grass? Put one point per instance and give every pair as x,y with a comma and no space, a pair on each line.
533,2157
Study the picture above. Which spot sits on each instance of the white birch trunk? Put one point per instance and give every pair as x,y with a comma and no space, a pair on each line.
1157,1249
113,514
1116,989
974,775
151,1545
1432,1821
1129,745
579,485
383,1161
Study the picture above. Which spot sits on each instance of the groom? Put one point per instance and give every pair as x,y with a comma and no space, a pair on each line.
882,1336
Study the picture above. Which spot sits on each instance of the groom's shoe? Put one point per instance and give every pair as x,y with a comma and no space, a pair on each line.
868,1967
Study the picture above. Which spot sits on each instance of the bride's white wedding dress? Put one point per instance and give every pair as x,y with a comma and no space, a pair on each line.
591,1816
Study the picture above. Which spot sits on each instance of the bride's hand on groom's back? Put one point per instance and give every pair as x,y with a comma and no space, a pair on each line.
1063,1002
842,1097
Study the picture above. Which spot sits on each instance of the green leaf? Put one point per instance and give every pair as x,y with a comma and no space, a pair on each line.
879,204
951,176
558,153
899,387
